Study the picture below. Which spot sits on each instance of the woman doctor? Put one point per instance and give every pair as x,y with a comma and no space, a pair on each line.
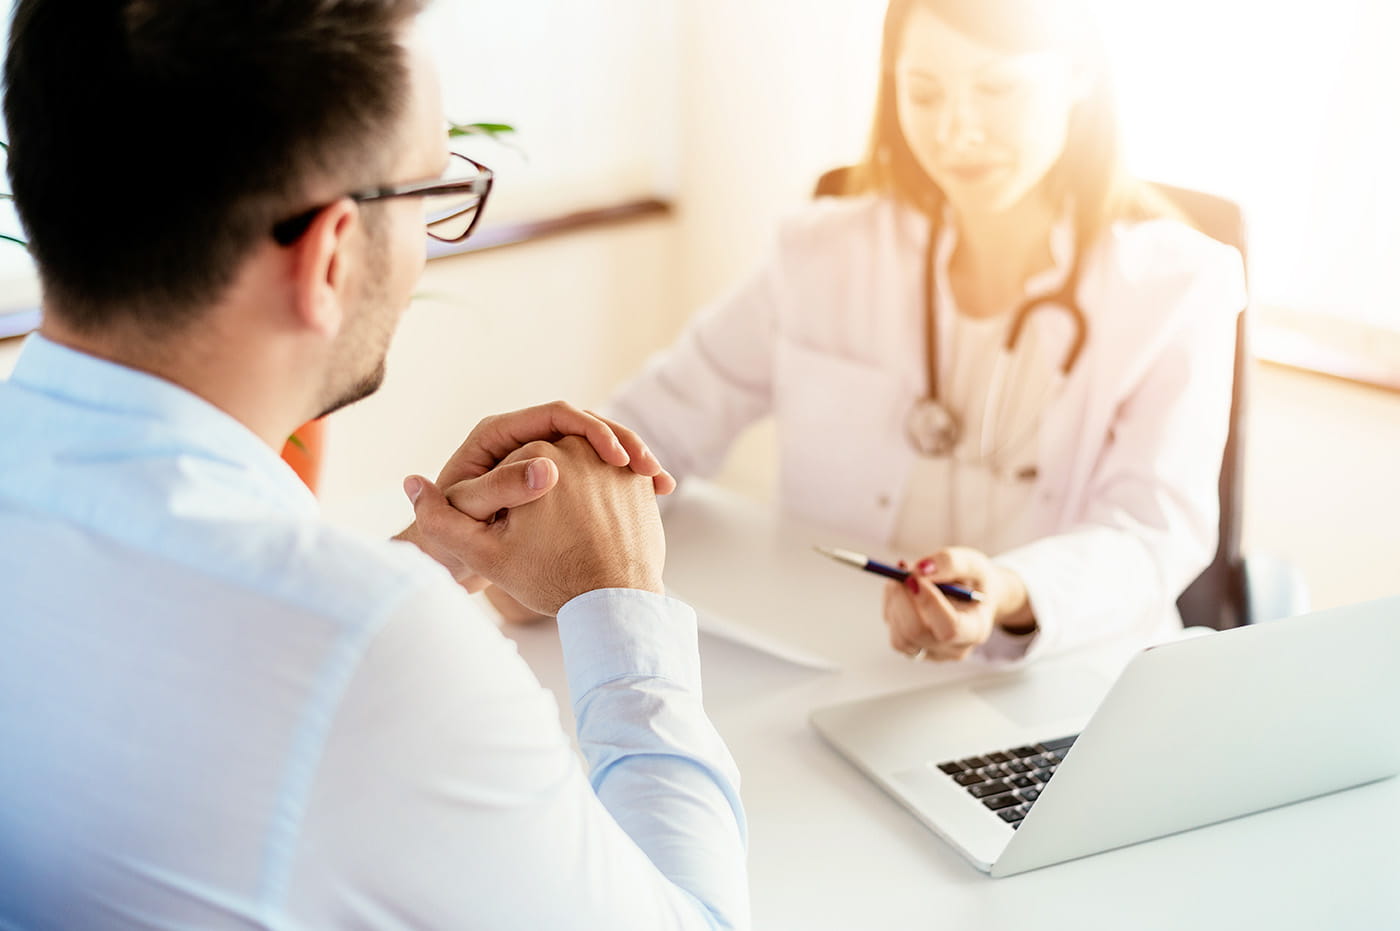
999,354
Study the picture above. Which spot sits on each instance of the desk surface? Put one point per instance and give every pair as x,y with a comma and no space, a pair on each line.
829,850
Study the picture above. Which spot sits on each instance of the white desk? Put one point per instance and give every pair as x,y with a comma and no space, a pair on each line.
829,850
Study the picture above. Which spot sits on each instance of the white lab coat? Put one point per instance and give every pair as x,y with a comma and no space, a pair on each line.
828,338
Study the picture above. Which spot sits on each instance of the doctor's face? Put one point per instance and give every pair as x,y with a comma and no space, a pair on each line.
986,125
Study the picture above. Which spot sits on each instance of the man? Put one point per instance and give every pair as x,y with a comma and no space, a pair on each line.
216,711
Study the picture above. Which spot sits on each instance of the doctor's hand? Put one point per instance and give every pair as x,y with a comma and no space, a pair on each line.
598,527
922,618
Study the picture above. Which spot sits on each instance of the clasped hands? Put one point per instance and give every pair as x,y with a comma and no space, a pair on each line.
547,503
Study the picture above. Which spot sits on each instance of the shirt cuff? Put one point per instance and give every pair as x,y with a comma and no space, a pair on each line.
616,633
1029,564
1004,647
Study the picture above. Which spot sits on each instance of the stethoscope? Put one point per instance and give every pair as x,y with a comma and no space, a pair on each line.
932,427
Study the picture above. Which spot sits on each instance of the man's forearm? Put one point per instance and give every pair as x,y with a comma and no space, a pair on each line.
655,760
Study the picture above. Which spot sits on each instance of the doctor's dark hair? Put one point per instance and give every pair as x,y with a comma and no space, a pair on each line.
153,143
1090,172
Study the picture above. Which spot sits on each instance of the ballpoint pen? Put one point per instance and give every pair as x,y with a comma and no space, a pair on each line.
861,561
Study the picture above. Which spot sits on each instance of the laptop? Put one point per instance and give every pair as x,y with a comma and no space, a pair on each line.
1020,771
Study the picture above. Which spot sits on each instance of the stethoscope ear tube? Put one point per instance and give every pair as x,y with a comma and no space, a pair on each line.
1064,301
932,428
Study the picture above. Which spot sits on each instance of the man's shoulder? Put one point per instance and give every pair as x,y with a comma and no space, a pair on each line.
215,561
351,577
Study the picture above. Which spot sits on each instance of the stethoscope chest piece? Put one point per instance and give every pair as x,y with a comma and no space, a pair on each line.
932,428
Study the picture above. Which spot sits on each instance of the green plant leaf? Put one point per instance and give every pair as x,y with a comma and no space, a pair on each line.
4,146
497,132
296,441
439,297
18,242
494,130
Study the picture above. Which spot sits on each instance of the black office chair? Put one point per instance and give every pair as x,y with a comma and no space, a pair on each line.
1219,597
1232,590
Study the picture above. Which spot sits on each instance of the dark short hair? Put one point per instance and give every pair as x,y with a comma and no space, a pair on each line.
154,142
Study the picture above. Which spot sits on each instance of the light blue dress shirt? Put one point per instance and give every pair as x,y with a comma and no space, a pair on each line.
218,712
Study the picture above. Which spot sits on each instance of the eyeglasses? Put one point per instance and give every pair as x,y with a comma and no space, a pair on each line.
452,204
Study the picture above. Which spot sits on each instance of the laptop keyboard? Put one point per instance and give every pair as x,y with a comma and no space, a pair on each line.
1009,781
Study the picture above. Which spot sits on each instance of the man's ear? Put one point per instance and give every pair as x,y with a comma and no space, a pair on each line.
320,267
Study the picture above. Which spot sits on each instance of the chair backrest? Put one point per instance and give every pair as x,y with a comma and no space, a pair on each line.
832,183
1217,597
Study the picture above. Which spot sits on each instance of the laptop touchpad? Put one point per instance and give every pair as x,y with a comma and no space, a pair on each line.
1043,695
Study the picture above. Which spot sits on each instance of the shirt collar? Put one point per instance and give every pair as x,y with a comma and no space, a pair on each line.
86,381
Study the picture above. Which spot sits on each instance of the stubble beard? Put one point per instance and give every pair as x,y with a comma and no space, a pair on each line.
366,335
362,389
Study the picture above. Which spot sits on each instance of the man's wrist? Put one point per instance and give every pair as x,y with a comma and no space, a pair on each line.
610,633
638,574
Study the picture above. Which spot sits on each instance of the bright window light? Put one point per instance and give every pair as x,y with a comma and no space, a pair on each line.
1290,108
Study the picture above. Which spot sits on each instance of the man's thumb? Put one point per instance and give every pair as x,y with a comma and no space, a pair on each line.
423,495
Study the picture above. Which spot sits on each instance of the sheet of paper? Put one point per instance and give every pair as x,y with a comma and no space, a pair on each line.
745,635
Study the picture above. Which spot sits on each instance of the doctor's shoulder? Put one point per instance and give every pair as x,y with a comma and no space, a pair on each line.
839,231
1164,266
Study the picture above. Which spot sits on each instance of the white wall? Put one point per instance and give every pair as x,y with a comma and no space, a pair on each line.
771,94
588,84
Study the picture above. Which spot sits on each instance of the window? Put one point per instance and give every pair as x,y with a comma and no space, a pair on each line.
1292,109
